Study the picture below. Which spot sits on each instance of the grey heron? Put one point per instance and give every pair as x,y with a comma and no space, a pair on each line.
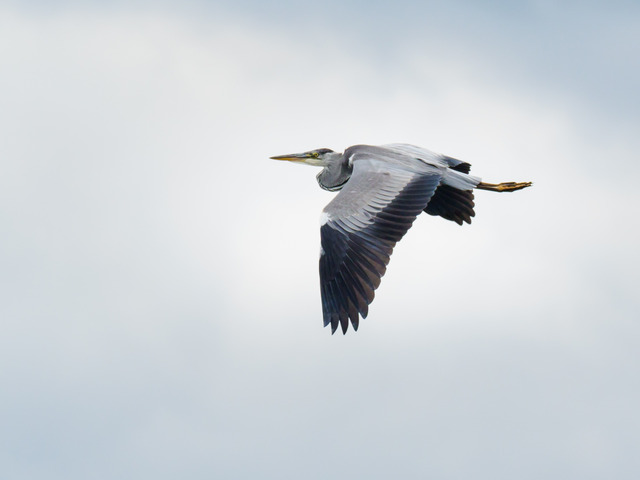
382,191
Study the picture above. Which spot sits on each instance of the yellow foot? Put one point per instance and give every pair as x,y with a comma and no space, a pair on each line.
503,187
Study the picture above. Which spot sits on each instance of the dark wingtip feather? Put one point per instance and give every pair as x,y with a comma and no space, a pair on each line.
458,165
334,323
452,204
344,322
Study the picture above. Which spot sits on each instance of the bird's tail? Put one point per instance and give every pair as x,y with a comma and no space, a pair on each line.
503,187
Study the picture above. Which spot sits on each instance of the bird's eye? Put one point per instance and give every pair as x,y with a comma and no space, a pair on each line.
315,154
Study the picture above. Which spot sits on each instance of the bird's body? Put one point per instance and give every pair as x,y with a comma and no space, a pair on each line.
382,191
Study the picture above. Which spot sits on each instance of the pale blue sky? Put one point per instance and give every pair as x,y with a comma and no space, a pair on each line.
160,306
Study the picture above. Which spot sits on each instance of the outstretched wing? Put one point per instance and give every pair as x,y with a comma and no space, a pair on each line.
360,227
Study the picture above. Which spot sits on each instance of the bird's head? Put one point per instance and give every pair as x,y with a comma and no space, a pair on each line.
318,158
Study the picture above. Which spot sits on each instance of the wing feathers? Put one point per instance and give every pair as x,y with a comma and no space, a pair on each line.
452,204
358,238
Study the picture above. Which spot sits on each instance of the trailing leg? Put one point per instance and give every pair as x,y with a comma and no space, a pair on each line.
503,187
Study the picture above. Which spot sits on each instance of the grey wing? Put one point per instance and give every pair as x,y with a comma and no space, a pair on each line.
430,157
359,229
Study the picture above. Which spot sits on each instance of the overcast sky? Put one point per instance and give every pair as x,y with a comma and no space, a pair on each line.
159,301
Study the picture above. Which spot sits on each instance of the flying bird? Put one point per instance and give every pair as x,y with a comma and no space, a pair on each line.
382,191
